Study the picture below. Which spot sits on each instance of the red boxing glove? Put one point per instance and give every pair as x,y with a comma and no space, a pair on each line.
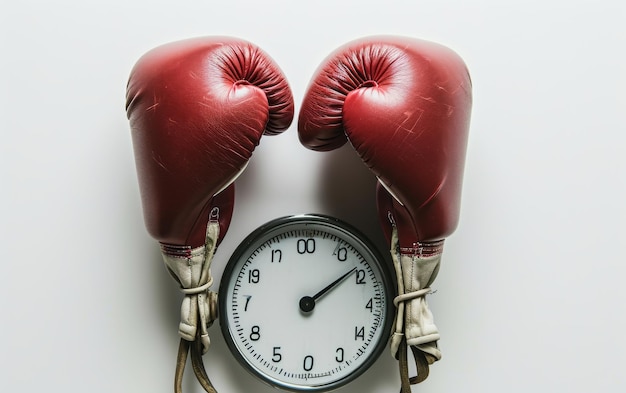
197,110
404,105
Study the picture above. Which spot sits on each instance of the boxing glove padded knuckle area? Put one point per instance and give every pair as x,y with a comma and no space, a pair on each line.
364,72
246,65
371,65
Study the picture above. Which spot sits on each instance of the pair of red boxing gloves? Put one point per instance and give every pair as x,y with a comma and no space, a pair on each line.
198,108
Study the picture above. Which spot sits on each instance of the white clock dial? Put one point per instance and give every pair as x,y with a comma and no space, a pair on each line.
305,303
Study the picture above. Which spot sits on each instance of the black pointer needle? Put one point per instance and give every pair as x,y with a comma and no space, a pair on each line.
307,303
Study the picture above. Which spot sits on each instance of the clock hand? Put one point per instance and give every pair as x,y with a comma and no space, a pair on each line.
307,303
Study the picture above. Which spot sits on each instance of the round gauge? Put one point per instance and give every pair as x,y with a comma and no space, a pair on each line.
305,303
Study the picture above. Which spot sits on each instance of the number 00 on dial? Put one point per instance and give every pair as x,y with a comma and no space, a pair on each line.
305,303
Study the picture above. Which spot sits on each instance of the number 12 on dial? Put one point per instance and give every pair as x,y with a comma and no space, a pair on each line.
305,303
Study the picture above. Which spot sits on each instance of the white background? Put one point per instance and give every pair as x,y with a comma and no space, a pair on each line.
531,292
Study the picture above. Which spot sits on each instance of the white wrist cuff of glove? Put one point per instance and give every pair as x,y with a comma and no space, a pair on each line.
414,320
192,270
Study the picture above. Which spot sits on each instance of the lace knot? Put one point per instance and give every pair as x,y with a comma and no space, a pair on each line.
411,295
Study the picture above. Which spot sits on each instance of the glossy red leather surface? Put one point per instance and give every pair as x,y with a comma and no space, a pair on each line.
404,104
197,110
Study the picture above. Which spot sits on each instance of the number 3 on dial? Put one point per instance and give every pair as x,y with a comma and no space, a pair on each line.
305,303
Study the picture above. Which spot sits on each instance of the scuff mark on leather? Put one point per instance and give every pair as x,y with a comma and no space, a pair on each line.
158,160
436,191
